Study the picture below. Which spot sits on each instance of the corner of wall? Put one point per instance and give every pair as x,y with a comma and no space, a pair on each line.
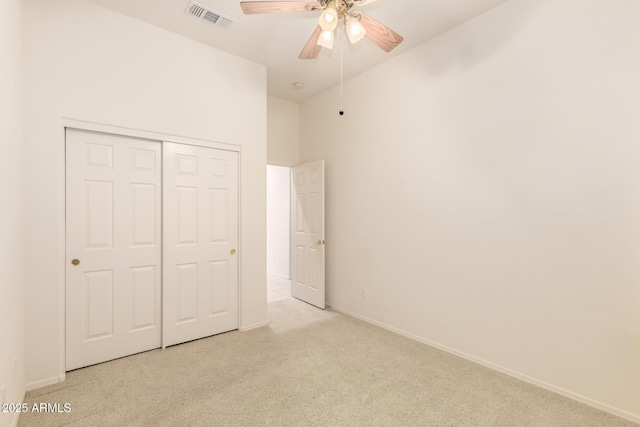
12,361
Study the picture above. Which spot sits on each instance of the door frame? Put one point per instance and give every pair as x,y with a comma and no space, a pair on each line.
291,225
66,123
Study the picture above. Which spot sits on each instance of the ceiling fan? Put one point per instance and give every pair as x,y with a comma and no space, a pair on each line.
357,25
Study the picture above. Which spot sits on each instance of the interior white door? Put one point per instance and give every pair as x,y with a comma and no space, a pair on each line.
307,233
200,240
113,247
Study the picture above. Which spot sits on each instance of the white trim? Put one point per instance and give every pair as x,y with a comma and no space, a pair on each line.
139,133
239,249
254,326
16,415
282,164
62,237
43,383
542,384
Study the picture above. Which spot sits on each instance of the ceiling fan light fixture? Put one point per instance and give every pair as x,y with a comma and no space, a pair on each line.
355,30
329,18
326,39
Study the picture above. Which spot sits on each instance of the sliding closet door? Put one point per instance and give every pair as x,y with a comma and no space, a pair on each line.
200,240
113,247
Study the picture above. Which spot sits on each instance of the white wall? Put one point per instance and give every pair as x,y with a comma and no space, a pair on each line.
484,188
11,253
283,142
88,63
283,132
278,221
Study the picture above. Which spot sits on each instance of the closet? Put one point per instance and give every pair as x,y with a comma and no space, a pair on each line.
151,245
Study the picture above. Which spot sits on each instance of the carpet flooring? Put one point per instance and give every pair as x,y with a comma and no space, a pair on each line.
307,368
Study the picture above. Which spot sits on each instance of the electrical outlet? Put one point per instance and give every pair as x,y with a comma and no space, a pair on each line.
15,367
363,293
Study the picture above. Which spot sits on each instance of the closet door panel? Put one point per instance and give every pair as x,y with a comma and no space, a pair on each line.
113,247
200,235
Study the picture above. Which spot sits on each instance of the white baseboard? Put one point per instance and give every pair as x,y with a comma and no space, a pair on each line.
278,276
43,383
254,326
16,415
542,384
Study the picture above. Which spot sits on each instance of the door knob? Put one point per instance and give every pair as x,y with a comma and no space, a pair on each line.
232,251
75,261
320,242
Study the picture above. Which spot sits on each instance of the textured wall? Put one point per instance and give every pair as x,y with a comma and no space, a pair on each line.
484,189
12,366
88,63
283,132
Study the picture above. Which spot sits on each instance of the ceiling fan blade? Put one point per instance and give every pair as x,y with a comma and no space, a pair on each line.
251,7
379,34
312,49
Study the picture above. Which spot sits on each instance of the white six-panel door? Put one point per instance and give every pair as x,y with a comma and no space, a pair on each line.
113,247
307,233
200,240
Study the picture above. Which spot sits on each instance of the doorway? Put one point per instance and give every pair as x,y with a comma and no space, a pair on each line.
278,233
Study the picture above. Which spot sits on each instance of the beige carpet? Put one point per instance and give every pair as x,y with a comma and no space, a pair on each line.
308,367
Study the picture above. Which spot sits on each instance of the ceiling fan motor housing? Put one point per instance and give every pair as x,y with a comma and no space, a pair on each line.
343,6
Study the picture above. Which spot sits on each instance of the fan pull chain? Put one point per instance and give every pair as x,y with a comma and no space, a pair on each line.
341,110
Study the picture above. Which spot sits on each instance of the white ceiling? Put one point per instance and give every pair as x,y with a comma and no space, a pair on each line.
275,40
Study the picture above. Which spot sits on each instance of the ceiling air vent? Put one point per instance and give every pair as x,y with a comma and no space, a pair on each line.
218,19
